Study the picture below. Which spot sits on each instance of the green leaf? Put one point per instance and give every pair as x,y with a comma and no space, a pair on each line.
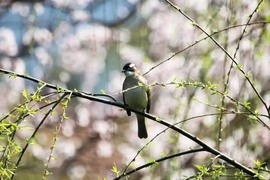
140,84
64,115
214,30
194,24
158,119
248,75
163,154
174,79
239,175
239,66
212,86
115,170
154,163
32,141
258,163
252,118
246,104
41,83
59,89
103,91
202,169
65,103
47,101
12,75
267,18
25,94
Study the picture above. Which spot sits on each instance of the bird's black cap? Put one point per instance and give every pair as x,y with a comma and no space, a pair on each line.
129,67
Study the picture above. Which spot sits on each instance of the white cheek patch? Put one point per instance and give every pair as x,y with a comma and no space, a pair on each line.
129,73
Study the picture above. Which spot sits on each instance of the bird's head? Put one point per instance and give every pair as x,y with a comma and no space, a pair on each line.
130,69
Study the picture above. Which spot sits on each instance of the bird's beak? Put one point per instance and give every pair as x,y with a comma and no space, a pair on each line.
123,71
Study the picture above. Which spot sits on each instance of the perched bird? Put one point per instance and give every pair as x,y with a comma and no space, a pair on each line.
136,95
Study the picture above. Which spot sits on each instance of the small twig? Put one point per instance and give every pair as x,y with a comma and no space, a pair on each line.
159,160
164,130
97,95
204,145
198,41
244,30
217,92
222,48
36,130
55,139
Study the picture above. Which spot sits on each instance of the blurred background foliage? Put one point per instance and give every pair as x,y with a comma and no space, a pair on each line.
84,44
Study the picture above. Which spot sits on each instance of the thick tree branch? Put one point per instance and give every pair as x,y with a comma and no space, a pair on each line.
195,139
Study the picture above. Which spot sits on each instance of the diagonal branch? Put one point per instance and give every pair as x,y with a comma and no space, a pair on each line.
159,160
195,139
164,130
204,38
222,48
36,130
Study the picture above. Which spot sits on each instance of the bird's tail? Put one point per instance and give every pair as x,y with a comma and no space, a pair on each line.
142,132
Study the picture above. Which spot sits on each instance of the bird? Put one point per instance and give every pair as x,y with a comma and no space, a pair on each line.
136,95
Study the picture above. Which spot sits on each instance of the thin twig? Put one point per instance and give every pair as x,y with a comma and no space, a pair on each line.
217,92
222,48
159,160
198,41
55,139
167,128
36,130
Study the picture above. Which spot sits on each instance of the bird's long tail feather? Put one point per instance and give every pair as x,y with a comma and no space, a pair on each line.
142,132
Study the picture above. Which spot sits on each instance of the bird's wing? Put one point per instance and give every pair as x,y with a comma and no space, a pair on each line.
128,112
148,91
